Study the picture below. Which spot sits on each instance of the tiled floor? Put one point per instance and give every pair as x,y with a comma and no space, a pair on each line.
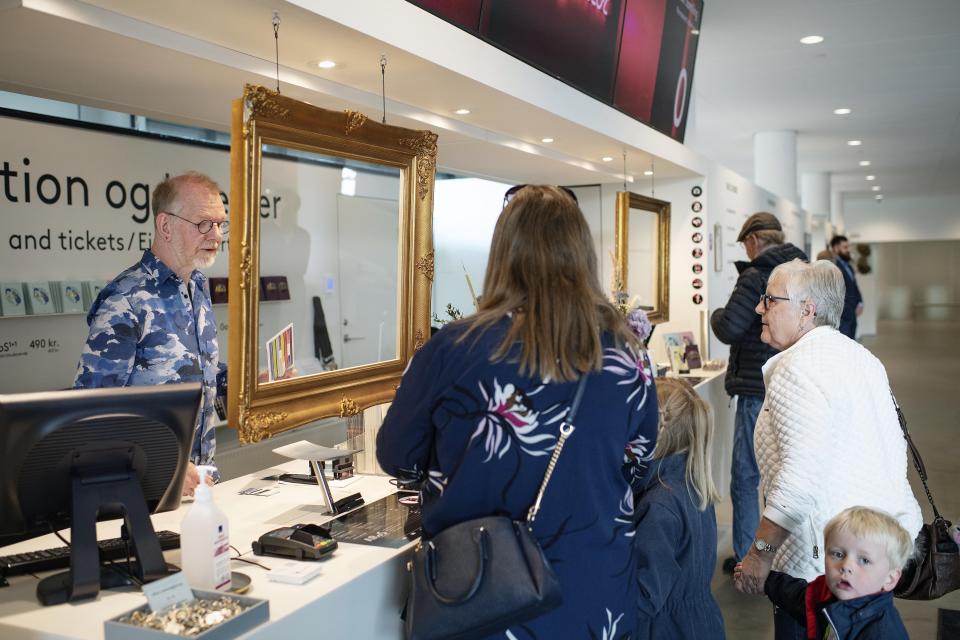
923,363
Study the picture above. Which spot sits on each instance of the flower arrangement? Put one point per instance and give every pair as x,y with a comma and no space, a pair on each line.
630,307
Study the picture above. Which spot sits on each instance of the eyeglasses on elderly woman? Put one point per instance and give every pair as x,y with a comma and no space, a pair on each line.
766,299
512,191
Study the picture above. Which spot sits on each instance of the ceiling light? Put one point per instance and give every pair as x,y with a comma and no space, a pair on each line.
875,187
326,64
878,197
854,143
462,112
864,163
842,111
607,158
648,172
546,140
811,40
871,178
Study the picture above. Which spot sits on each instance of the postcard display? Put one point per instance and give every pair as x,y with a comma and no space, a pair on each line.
70,226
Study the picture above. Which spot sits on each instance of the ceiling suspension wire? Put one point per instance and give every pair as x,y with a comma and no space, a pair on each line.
383,84
625,170
276,44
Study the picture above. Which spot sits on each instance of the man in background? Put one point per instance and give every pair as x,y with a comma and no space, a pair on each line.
154,324
738,325
852,300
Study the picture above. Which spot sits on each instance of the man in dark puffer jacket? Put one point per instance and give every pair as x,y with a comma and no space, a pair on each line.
738,325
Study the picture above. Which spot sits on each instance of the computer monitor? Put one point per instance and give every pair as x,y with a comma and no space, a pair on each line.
70,458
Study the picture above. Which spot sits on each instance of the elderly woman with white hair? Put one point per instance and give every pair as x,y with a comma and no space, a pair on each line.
827,438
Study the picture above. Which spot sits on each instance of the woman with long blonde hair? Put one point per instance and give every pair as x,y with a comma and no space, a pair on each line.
479,409
677,530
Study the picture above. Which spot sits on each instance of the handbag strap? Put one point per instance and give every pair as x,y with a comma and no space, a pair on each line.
915,454
566,429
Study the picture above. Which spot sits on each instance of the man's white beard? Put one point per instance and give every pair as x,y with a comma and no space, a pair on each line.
204,262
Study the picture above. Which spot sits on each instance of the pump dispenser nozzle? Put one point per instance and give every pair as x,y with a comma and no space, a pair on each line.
202,493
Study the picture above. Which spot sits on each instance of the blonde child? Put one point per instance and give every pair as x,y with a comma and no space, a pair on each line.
676,538
866,550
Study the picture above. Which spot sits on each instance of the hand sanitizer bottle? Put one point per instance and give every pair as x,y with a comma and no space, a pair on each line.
205,540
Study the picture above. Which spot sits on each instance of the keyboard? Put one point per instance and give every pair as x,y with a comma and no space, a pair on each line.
59,557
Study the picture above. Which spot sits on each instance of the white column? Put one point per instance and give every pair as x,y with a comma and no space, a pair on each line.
775,162
815,193
836,212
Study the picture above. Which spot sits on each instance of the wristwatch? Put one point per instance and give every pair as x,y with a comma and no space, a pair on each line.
762,545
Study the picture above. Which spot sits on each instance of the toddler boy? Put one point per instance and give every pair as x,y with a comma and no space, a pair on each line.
866,551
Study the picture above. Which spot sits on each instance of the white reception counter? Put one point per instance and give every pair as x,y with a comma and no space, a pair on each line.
358,595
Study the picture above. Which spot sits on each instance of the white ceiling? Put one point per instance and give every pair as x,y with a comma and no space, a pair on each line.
896,63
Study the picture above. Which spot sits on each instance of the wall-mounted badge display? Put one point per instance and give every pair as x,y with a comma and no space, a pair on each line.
697,206
697,298
698,253
697,222
697,267
696,192
697,283
697,237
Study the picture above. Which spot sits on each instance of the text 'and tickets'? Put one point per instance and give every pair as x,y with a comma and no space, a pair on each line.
21,187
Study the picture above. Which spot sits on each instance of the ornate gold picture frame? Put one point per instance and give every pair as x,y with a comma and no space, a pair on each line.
264,120
642,237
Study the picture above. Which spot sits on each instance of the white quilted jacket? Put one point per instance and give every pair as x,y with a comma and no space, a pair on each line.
828,438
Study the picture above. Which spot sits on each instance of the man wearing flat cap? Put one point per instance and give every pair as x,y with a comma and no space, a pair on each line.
738,325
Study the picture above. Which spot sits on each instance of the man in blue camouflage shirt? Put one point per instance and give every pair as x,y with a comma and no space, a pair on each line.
154,323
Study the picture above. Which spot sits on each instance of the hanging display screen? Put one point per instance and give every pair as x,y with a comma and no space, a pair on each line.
635,55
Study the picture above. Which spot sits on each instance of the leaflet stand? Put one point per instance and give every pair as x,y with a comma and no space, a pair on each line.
318,466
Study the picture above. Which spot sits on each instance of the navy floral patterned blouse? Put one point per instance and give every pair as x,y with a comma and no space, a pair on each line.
479,435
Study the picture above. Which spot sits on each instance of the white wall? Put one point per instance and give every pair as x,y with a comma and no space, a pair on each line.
932,217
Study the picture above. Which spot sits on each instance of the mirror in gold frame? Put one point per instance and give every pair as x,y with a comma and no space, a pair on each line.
336,209
643,253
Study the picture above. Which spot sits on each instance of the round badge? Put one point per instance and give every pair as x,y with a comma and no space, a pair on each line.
697,222
697,298
697,283
696,191
697,206
697,267
697,237
698,253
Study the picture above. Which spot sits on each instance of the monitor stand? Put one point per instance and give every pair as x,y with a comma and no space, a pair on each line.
95,493
318,467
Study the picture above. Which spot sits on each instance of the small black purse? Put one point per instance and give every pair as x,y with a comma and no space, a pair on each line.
480,577
934,571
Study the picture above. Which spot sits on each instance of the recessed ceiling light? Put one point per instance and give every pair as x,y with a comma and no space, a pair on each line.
871,178
875,187
326,64
648,172
607,158
878,197
854,143
811,40
546,140
864,163
842,111
462,112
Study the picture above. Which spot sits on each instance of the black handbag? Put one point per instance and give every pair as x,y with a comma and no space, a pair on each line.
480,577
934,571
